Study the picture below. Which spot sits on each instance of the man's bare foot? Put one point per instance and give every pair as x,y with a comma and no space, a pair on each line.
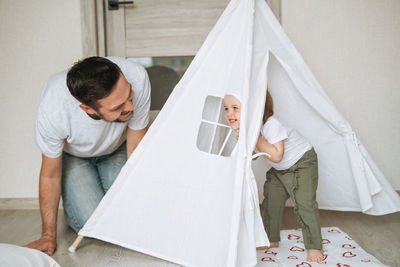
315,255
271,245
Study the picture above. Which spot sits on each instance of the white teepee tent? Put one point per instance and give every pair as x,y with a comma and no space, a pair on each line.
188,193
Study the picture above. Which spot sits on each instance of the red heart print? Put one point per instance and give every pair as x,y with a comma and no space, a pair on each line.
293,237
322,262
342,265
270,252
325,241
296,248
334,231
267,259
366,260
348,254
349,246
303,264
292,258
325,256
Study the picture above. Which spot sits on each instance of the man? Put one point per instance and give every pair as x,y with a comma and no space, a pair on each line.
89,121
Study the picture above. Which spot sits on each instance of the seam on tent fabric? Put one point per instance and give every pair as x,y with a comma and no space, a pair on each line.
241,172
203,52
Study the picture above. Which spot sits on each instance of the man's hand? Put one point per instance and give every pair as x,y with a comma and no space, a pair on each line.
44,244
49,197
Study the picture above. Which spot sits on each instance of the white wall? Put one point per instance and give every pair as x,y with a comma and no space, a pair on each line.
37,39
353,48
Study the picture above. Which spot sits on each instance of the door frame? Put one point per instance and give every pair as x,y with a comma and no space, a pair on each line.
93,28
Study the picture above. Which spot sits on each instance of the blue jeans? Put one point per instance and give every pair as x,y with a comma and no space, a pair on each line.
85,181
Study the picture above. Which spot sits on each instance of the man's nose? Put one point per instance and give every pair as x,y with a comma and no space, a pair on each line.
128,106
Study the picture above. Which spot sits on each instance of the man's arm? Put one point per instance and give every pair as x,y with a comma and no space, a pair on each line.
133,138
49,198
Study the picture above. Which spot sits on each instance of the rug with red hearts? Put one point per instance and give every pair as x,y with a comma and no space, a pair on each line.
340,250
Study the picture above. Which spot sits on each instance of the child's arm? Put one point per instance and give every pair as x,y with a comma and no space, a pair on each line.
275,150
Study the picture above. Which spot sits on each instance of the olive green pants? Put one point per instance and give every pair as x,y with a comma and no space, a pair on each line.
299,182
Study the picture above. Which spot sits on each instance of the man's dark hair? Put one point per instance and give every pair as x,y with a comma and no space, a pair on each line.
92,79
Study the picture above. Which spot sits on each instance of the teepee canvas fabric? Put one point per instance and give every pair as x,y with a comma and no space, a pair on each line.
188,193
349,180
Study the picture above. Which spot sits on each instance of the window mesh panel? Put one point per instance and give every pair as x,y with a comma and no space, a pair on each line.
222,118
230,144
205,136
215,136
212,108
219,138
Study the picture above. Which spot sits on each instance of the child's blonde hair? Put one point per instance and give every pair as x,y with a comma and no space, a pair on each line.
269,107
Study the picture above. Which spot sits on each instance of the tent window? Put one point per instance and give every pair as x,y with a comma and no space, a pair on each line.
215,135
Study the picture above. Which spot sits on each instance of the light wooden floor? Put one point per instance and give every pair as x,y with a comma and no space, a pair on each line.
378,235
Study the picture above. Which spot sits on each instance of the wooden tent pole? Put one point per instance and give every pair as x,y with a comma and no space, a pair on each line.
76,243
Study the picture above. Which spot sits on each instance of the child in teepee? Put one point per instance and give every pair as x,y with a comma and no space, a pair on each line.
232,111
294,174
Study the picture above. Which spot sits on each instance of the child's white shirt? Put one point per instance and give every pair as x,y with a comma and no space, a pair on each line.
294,144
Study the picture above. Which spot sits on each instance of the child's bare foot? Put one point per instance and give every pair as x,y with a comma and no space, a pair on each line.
315,255
274,244
271,245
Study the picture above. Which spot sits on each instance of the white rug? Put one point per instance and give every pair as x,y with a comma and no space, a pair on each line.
339,249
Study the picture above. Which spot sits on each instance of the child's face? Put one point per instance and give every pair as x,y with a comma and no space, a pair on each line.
232,111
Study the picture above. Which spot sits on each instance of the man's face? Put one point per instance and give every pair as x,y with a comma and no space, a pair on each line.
117,107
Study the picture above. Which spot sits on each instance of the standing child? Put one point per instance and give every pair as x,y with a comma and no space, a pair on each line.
294,174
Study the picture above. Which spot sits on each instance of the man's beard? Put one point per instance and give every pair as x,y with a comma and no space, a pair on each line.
100,116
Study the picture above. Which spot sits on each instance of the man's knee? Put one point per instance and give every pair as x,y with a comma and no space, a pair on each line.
81,191
77,216
110,167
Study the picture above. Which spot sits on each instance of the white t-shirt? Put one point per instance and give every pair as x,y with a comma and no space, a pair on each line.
294,145
61,125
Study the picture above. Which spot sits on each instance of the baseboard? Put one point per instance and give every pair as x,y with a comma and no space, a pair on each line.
20,204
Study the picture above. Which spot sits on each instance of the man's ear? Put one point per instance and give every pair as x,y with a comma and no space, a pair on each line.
87,109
